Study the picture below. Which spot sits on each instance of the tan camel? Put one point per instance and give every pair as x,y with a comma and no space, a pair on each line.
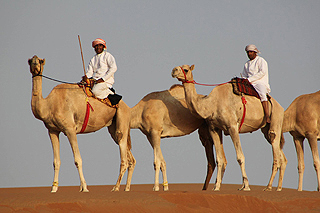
165,114
64,111
223,111
302,120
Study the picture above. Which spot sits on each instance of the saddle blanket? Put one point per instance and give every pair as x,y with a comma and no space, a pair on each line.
242,85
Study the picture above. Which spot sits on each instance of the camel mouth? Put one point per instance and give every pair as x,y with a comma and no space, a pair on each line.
175,73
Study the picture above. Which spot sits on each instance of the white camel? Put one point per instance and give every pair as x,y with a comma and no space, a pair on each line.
64,111
302,120
223,111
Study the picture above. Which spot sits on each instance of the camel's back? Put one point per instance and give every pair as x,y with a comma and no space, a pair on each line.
306,110
167,110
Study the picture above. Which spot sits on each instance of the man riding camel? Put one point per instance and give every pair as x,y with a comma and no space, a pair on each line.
256,71
101,69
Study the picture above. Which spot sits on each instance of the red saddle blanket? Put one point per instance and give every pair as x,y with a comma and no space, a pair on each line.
242,85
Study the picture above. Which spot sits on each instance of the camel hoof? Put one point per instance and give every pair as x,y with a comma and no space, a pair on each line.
54,189
115,189
84,190
155,188
245,189
267,189
127,189
279,189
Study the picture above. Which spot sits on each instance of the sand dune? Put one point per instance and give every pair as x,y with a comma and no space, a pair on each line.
141,198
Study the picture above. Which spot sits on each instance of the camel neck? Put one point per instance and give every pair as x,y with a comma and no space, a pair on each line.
37,98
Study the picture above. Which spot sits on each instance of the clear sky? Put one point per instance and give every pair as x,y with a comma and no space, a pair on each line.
148,39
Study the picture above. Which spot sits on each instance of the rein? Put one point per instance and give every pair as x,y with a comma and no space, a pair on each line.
52,79
194,82
89,107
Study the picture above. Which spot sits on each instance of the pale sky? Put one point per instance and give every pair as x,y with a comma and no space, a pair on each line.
148,39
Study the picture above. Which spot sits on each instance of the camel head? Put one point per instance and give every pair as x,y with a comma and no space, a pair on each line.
36,65
183,73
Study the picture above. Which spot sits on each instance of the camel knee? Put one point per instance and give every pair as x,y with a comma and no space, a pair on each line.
316,166
272,135
56,165
119,136
78,163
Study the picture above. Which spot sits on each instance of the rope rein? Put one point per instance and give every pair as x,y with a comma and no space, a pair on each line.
194,82
52,79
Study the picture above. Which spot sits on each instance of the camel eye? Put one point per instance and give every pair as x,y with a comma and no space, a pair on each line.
185,70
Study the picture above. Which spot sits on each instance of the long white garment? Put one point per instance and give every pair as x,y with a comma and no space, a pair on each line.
103,66
256,71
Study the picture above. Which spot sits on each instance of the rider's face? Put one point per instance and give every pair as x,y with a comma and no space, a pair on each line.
99,48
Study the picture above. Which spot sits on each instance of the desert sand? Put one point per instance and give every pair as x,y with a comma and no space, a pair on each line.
141,198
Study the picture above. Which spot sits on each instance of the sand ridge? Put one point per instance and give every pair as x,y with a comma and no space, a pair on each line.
141,198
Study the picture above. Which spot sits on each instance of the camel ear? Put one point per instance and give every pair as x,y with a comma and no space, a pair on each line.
43,61
192,67
29,61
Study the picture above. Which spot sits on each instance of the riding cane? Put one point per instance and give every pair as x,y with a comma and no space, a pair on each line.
84,70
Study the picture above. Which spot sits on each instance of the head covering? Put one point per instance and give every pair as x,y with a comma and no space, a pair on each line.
252,47
99,41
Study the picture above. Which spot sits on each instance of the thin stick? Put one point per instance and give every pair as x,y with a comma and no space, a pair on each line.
84,70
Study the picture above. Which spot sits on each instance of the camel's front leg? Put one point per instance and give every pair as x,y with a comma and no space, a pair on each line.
298,142
77,159
54,137
221,159
312,138
240,156
158,161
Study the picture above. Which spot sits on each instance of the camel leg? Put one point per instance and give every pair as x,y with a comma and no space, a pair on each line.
72,137
315,154
123,165
298,142
275,143
283,165
207,142
216,136
211,165
54,137
240,157
132,164
159,162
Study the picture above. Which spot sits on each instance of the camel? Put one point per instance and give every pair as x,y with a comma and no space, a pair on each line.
165,114
302,120
223,111
64,110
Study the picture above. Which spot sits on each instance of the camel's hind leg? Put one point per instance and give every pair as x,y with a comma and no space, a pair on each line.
54,137
159,162
240,156
123,139
312,138
132,164
275,143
